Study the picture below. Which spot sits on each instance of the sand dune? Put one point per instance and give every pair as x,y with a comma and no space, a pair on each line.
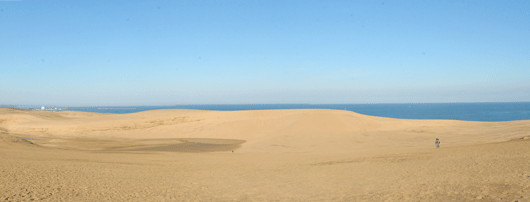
262,155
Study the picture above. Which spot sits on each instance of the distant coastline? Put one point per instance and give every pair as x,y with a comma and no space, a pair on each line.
488,112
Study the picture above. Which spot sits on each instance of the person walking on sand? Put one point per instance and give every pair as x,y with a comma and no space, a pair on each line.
437,143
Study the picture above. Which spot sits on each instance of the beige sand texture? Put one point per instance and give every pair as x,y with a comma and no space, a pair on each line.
278,155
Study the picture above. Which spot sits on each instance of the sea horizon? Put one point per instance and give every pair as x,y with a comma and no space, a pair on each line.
464,111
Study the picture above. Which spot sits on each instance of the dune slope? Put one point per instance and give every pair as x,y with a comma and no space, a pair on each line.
264,155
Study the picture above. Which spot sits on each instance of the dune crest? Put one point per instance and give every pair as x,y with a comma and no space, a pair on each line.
304,130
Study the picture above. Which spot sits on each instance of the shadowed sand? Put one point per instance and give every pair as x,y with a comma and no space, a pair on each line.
282,155
121,144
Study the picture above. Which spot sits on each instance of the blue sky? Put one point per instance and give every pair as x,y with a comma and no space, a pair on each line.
235,52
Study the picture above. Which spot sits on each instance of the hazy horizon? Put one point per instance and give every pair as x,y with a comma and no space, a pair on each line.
100,53
169,105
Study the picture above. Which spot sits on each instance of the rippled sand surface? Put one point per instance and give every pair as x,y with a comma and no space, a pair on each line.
268,155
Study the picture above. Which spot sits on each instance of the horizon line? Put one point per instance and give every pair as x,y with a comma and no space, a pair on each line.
47,105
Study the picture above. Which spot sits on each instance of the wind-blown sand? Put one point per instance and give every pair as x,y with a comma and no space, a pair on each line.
278,155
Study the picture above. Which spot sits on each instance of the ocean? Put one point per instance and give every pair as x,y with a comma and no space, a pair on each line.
489,112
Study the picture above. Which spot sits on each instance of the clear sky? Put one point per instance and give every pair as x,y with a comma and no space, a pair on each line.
77,53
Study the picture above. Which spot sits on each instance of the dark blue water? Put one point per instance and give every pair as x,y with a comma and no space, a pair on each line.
490,112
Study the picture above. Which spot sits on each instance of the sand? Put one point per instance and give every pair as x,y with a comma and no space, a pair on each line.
262,155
